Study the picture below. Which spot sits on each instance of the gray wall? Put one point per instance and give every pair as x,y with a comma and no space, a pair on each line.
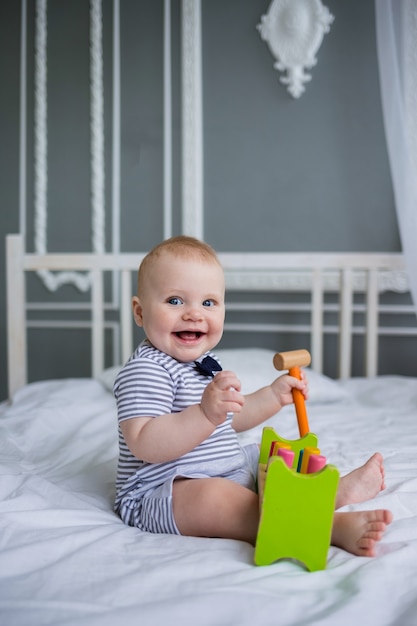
280,174
307,174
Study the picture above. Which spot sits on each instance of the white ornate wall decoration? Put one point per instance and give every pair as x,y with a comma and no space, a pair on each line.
294,30
54,280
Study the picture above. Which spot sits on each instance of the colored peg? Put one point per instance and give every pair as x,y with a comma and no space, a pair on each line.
275,445
316,462
292,361
308,452
287,456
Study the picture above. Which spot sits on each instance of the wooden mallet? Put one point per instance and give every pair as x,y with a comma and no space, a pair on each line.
292,361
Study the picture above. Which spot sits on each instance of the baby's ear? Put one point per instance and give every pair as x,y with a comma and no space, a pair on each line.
137,311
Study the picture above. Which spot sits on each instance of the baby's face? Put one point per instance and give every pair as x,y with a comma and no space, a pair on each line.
181,307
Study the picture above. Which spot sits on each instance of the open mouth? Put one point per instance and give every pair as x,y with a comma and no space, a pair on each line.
189,335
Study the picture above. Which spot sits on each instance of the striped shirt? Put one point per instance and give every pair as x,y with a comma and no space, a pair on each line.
152,384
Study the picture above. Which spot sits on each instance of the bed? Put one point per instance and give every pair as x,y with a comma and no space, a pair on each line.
66,558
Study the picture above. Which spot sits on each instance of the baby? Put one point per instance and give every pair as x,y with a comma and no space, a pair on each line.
181,468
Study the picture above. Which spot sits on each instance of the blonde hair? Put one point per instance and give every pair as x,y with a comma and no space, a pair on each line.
181,246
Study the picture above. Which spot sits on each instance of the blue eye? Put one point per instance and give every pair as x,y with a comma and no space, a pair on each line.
208,303
175,301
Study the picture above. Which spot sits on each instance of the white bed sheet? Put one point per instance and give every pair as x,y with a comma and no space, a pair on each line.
67,559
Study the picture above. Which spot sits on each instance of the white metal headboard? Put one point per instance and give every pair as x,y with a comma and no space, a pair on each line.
316,273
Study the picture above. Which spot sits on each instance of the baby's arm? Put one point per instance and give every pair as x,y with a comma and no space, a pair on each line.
167,437
265,402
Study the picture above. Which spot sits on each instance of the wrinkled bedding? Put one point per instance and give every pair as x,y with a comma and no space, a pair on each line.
66,558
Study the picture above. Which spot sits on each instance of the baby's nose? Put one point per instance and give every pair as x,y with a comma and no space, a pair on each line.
193,313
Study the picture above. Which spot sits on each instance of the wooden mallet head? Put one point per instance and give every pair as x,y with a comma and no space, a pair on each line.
294,358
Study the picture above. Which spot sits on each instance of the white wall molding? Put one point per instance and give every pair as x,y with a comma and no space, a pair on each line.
192,120
40,128
116,141
54,280
22,122
167,151
302,280
97,127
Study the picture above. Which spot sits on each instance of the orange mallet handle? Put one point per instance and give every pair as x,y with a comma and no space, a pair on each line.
292,361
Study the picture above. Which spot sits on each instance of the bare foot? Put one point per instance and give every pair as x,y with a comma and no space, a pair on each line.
358,532
363,483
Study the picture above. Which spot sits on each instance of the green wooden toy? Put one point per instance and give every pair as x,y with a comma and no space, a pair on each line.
296,509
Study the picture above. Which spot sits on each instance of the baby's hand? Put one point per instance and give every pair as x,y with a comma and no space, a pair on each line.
222,396
283,386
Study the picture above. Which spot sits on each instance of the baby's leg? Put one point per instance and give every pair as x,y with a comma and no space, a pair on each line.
363,483
358,532
215,507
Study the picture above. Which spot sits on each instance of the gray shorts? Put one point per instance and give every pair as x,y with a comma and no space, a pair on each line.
153,511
